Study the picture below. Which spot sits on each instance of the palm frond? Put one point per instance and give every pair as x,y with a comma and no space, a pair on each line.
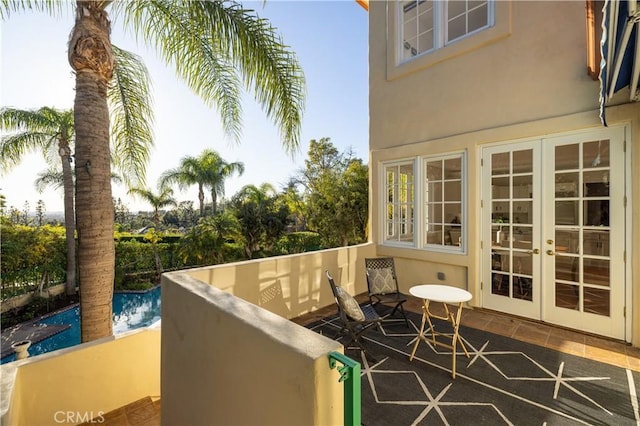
14,147
53,7
208,42
49,178
131,117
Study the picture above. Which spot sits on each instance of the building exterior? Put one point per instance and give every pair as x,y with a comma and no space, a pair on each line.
491,168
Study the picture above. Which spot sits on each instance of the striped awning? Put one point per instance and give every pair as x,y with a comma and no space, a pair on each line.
620,48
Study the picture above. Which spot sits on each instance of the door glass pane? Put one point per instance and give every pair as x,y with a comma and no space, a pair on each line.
567,157
567,240
596,271
596,301
596,212
596,242
523,161
567,268
567,296
500,188
567,212
523,212
567,184
500,211
596,184
499,284
596,154
500,164
522,186
523,237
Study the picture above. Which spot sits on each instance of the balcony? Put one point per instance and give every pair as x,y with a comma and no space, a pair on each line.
227,345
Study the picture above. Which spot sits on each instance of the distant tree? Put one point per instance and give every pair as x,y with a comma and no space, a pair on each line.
262,222
183,216
157,200
336,194
40,211
206,243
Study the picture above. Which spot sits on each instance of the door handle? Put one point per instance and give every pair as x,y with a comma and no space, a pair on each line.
534,251
550,252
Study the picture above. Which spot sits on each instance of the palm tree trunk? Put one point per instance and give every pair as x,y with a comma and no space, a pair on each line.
91,57
69,218
214,202
201,199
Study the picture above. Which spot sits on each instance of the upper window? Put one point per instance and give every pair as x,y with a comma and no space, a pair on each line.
427,25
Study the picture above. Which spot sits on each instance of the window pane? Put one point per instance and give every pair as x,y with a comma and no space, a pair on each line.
434,170
457,27
399,203
434,192
452,212
478,18
453,168
452,191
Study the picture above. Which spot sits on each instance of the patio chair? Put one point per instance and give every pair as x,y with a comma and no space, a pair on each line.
355,320
382,282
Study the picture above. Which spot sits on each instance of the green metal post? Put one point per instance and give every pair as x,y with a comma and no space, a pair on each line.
350,375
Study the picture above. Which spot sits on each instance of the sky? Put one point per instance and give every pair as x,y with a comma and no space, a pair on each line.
328,37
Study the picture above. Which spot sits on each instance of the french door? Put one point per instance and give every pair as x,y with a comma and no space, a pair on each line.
553,220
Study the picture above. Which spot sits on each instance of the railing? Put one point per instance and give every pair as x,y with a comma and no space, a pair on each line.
350,375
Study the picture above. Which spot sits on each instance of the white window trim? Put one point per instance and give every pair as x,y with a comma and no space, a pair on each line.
477,39
383,202
418,242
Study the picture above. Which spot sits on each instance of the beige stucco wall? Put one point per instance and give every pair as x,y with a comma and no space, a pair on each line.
526,79
293,285
227,361
82,382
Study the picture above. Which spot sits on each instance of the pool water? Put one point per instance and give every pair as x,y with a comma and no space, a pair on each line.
130,311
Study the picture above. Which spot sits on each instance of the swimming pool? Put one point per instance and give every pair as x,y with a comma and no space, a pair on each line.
130,311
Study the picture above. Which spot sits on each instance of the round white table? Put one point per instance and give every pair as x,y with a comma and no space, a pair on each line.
446,295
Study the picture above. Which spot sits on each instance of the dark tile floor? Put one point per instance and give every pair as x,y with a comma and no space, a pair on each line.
146,412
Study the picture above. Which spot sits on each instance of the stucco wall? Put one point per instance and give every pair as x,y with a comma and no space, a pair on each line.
85,381
527,80
226,361
290,286
515,78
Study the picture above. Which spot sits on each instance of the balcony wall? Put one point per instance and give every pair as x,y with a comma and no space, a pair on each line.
73,385
243,363
242,351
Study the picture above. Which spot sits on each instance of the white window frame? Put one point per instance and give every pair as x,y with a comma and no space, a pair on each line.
384,204
440,28
423,187
419,240
499,29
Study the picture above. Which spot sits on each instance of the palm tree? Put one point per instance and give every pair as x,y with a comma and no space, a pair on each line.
157,200
48,130
216,48
191,171
218,170
208,169
52,132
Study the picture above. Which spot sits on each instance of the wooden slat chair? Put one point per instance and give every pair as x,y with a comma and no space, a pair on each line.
355,320
382,282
